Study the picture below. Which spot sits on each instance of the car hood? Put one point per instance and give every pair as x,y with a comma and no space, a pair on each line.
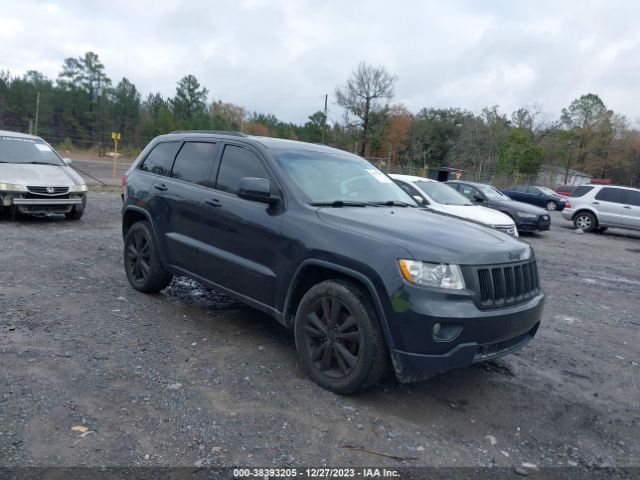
429,236
39,175
523,207
476,213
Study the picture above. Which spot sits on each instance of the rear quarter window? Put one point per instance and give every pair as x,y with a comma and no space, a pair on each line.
633,197
581,191
160,159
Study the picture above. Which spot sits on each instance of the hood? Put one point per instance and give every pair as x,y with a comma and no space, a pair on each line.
39,175
427,235
523,207
477,213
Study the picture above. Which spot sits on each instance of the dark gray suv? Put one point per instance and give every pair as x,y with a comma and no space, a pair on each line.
332,248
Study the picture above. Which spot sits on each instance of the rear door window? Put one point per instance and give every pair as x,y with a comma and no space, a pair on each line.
613,195
194,163
633,197
160,160
237,163
581,191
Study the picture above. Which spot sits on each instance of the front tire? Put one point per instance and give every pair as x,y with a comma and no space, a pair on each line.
77,210
338,337
585,221
551,205
141,262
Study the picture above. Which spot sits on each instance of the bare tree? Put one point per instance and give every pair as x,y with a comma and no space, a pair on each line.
362,94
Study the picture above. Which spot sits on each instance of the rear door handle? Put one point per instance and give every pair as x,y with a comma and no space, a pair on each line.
595,203
162,187
213,202
627,206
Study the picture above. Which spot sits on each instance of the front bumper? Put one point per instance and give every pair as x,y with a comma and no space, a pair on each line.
26,204
467,334
543,222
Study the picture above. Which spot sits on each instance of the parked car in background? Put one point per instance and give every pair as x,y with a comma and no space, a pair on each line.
332,248
528,218
594,208
440,197
565,190
539,196
34,180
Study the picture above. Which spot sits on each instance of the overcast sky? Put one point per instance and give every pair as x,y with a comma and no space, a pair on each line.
281,57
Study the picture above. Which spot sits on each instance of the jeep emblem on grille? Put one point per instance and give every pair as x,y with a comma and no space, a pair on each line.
51,190
514,256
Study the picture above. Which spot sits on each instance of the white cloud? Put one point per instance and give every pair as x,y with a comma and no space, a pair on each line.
283,56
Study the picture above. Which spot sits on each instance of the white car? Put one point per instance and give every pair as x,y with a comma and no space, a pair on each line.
441,197
34,180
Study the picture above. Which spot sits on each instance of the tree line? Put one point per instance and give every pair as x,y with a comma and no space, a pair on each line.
82,106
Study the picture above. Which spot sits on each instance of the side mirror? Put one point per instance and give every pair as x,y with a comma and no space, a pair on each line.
67,161
478,198
256,190
418,199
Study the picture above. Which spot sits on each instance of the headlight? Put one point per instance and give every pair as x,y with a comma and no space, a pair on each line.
78,188
526,215
438,275
11,187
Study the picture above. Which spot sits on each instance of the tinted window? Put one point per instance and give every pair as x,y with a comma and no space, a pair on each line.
518,188
581,191
237,163
469,192
409,189
534,190
633,197
194,163
160,160
614,195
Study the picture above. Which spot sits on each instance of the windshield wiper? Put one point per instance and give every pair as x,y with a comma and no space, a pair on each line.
393,203
339,203
35,162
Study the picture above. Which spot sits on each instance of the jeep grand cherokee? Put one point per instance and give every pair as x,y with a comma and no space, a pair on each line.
333,249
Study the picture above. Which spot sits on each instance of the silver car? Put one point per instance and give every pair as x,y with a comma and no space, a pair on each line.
34,180
594,208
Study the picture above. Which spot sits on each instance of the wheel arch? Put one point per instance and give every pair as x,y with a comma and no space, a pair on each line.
586,210
313,271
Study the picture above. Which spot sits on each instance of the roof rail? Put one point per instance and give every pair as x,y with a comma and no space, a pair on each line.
219,132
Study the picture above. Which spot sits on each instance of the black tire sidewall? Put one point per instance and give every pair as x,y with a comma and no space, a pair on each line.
158,278
357,303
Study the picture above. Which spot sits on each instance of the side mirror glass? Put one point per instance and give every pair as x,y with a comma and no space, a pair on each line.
67,161
256,190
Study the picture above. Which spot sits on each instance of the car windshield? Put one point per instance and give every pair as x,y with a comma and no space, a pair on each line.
27,150
443,194
342,179
547,191
493,194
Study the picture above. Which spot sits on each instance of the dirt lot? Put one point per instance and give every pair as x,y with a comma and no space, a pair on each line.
189,377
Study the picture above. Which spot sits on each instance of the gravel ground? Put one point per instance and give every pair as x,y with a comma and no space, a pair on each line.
190,377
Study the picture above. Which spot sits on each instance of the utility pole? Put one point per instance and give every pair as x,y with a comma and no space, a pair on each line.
324,121
35,131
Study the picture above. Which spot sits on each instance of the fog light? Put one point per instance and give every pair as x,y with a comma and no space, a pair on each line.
436,329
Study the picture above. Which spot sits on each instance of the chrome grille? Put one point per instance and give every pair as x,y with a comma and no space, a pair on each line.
502,285
510,229
49,191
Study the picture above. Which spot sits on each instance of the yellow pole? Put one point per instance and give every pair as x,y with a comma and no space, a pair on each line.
115,160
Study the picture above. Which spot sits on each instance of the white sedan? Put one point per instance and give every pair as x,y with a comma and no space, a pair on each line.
441,197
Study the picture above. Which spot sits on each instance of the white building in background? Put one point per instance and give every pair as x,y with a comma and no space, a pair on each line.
553,176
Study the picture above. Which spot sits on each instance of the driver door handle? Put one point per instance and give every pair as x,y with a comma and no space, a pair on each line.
162,187
213,202
627,206
595,203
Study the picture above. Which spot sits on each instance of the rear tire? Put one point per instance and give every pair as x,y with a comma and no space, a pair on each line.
141,262
585,221
338,337
551,205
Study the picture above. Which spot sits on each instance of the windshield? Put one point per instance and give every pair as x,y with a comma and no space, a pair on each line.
443,194
327,178
547,191
493,194
27,150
